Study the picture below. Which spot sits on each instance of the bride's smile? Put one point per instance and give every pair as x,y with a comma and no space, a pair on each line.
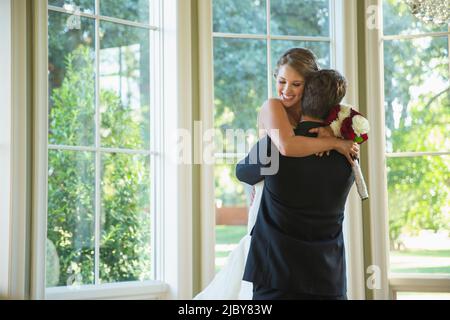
290,86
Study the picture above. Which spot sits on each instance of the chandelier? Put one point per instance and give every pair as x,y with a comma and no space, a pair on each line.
431,11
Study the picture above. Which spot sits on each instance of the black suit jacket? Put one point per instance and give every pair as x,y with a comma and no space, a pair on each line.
297,243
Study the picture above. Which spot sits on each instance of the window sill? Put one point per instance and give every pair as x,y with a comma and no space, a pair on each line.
147,290
419,282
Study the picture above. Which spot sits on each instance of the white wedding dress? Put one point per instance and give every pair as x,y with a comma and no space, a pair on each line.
227,283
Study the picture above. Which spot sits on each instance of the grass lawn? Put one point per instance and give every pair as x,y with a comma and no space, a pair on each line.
420,261
227,235
230,234
423,253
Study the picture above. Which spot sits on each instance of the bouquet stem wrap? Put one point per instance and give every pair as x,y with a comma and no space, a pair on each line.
360,182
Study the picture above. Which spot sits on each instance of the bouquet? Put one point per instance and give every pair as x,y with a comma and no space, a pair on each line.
349,124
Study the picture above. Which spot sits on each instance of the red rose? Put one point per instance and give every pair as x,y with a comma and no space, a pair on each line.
353,113
347,129
364,137
333,114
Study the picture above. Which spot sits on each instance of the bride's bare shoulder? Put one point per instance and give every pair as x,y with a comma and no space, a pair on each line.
271,104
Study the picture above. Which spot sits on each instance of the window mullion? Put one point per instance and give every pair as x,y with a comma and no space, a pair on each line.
269,51
104,18
413,36
332,33
97,148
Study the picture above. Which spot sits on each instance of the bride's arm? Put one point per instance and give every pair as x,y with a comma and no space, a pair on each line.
275,120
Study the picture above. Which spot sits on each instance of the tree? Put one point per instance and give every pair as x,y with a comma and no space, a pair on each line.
417,119
125,218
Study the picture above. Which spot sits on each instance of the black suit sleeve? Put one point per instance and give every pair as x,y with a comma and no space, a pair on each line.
248,170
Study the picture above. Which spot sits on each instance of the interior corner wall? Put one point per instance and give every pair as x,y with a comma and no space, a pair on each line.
5,144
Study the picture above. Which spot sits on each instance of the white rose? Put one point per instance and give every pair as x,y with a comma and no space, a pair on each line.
336,127
360,125
344,113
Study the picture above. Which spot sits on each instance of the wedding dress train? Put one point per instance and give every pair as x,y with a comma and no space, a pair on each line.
227,283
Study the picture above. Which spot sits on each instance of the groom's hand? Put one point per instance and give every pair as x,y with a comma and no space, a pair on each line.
322,132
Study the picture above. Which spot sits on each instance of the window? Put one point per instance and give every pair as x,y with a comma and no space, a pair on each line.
100,196
248,38
416,150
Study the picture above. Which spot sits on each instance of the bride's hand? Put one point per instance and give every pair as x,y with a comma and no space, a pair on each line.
347,148
322,132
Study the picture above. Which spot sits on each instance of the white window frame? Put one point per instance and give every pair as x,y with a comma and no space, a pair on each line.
390,284
343,57
14,213
173,213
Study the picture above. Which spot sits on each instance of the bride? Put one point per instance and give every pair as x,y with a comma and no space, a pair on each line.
228,283
282,114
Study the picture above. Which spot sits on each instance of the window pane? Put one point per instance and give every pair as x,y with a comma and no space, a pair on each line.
419,214
85,6
124,87
70,225
71,81
240,71
398,19
125,250
305,18
417,96
230,192
133,10
237,16
232,201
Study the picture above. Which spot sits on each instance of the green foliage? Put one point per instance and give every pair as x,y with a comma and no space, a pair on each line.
417,119
228,190
237,16
125,215
72,114
132,10
125,243
308,18
71,210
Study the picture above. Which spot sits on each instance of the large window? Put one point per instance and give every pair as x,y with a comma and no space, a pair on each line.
100,205
249,37
417,125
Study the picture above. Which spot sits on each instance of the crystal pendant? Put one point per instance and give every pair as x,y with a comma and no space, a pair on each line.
431,11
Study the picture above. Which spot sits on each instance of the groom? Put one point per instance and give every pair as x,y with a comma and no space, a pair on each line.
297,246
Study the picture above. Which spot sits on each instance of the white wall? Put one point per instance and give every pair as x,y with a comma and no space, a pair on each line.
5,143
